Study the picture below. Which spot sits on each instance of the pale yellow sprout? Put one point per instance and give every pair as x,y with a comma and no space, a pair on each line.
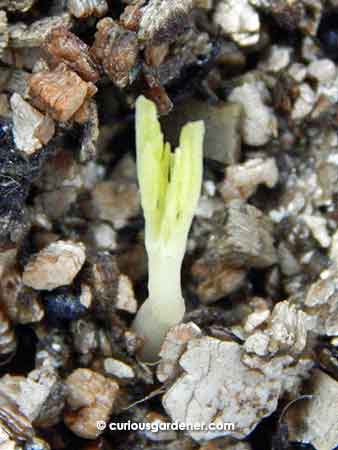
170,185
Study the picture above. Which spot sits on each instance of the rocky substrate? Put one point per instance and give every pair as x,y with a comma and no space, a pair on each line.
258,346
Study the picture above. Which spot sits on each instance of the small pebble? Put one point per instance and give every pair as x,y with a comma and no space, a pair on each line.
298,72
304,103
125,299
322,70
118,368
278,59
104,236
259,124
238,19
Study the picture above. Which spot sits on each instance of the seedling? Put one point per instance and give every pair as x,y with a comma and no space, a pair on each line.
170,185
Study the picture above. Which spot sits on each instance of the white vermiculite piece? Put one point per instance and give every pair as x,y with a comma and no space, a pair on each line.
259,123
238,19
217,388
55,265
170,185
86,8
31,128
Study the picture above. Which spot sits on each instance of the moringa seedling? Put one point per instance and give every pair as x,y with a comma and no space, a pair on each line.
170,185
